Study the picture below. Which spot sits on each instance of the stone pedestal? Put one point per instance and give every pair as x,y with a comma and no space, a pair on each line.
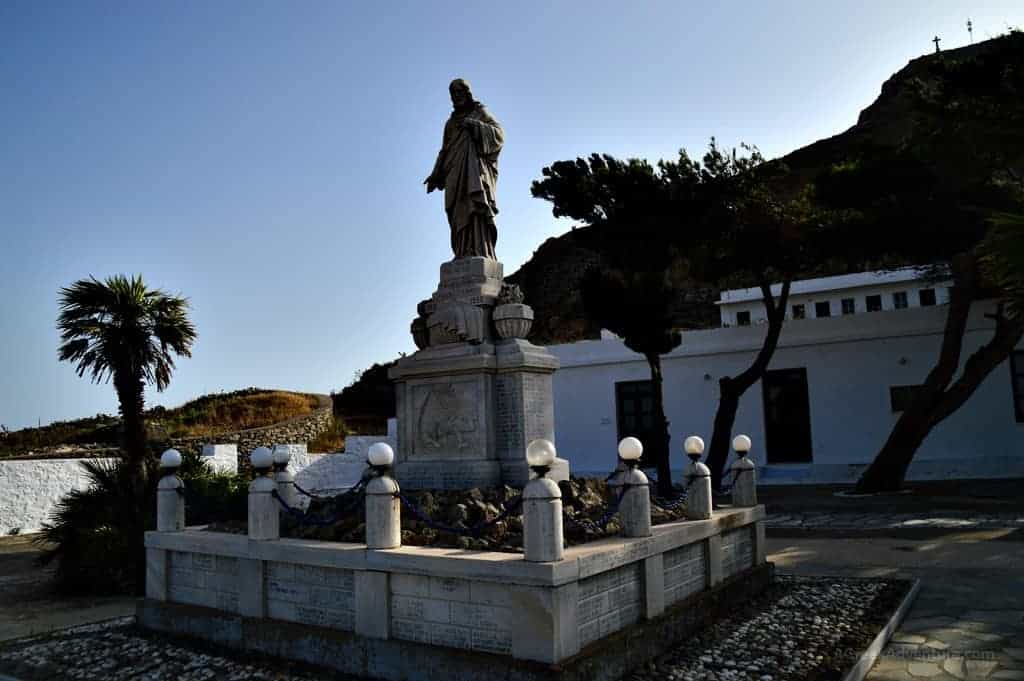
469,402
744,486
170,504
635,510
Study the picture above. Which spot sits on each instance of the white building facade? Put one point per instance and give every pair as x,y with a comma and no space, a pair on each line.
833,391
843,295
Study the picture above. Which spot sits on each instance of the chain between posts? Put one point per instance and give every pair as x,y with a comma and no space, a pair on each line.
474,530
602,522
303,517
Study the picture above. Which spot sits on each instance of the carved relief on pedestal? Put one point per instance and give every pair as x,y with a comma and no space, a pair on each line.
447,423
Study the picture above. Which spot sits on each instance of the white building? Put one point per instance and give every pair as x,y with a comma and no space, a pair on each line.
833,391
836,296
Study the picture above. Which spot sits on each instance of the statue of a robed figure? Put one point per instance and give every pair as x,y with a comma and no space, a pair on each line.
476,392
467,170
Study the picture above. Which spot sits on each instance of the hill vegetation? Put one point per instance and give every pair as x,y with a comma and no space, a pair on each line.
204,416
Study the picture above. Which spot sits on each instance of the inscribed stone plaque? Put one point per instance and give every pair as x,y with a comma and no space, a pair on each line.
448,420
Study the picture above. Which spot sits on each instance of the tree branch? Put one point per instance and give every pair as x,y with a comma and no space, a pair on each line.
978,366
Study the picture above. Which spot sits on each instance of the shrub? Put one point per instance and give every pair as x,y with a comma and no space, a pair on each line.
96,536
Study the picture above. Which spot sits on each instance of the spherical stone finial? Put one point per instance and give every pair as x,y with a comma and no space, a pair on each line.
170,459
380,454
694,446
282,455
540,452
741,443
261,458
630,449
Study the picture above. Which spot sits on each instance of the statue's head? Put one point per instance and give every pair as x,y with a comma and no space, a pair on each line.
462,96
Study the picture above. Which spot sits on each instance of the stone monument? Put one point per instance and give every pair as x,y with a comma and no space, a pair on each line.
476,392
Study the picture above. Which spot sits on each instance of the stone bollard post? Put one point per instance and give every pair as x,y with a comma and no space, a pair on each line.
170,499
744,474
264,520
635,508
284,478
383,508
698,481
542,508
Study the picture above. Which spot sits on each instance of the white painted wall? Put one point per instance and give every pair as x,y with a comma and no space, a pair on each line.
833,290
30,490
851,362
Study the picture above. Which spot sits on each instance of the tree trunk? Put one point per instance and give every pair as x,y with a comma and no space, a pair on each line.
661,451
131,403
889,468
730,390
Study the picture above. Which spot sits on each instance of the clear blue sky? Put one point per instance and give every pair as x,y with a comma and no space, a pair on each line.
265,159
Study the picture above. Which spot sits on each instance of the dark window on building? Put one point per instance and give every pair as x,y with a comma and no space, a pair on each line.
799,312
899,300
900,396
634,406
822,309
849,306
1017,379
743,318
926,296
873,303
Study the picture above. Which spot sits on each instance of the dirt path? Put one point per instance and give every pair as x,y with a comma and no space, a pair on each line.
27,603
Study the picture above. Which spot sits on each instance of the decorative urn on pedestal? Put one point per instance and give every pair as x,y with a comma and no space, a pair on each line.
512,319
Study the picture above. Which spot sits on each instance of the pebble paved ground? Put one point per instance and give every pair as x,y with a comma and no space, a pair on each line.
968,620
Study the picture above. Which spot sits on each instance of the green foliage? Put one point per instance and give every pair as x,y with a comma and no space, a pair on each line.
95,536
121,326
368,402
1002,260
634,305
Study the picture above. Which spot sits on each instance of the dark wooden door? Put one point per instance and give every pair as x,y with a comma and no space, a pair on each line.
634,407
787,416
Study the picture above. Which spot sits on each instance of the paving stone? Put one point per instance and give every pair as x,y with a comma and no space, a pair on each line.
955,665
924,669
1009,675
1015,653
921,624
937,645
979,669
908,638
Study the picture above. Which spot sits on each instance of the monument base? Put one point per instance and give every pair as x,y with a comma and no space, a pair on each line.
466,412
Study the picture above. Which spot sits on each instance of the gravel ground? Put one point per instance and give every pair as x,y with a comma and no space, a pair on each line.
800,629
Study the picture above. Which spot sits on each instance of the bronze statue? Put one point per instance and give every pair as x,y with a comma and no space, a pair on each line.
467,170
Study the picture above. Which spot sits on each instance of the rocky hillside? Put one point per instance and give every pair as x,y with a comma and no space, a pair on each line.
204,417
964,107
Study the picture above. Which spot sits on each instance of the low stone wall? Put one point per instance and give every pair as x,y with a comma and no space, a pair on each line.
487,603
303,429
31,488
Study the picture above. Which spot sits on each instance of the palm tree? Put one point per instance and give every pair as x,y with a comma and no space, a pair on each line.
119,329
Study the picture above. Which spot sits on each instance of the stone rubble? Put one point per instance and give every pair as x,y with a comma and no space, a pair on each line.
585,501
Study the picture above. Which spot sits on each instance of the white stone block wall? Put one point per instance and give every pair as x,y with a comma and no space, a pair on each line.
609,601
457,613
31,488
473,600
202,579
310,594
686,571
737,550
